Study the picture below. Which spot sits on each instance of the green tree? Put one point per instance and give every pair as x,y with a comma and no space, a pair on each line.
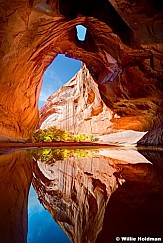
54,134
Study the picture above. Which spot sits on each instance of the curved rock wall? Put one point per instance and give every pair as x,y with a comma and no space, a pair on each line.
122,51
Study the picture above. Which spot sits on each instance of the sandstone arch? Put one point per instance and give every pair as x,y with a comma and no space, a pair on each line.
129,33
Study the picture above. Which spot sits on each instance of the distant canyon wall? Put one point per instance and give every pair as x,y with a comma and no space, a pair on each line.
122,50
77,107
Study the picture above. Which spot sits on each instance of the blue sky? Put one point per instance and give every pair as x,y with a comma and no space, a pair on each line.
60,71
81,32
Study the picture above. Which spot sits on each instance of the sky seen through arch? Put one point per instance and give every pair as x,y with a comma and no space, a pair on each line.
60,71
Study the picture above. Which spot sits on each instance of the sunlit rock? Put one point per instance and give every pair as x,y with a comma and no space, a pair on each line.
122,50
77,107
122,138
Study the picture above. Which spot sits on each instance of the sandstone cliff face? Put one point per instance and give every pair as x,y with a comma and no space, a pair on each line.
122,51
77,107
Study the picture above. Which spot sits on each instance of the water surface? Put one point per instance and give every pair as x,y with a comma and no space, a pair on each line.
80,195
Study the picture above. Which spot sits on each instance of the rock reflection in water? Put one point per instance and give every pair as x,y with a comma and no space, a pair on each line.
135,208
94,195
76,190
15,180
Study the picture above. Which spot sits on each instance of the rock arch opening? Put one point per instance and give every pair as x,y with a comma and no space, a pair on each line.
59,72
81,32
129,34
76,107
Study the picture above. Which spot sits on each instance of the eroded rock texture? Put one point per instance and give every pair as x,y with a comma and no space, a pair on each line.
77,107
122,50
156,136
15,180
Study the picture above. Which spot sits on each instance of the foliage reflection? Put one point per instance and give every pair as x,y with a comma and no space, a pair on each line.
49,155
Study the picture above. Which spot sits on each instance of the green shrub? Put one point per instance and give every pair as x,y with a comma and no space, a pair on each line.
54,134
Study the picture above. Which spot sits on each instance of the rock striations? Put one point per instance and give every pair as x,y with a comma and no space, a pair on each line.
122,50
77,107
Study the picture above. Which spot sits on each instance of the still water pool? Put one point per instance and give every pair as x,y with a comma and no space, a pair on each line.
47,229
80,195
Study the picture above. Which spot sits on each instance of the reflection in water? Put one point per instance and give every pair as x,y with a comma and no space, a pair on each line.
41,226
135,208
15,179
94,195
75,191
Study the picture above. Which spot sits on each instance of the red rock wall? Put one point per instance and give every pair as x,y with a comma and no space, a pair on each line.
122,52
